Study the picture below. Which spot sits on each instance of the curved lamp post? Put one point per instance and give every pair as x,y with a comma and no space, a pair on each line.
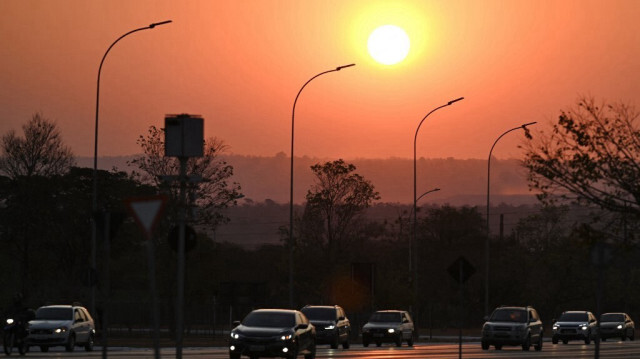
486,244
291,243
94,206
413,242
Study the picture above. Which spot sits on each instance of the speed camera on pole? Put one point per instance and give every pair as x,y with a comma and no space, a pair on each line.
184,135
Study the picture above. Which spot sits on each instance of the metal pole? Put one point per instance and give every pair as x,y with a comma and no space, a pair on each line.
94,200
181,240
107,284
154,299
291,241
413,242
487,242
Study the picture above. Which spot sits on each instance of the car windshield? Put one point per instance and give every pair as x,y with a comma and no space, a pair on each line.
269,320
54,314
574,317
327,314
386,317
509,315
612,318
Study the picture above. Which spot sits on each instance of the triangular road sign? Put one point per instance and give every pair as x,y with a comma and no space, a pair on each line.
146,211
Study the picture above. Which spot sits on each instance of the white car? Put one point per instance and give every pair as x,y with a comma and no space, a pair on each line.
62,325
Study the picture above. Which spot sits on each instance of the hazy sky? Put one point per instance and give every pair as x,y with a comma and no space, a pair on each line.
240,64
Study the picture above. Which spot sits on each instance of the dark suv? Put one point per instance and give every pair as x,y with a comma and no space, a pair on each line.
513,326
332,325
581,325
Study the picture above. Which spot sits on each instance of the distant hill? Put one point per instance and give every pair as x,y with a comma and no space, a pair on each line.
265,184
461,182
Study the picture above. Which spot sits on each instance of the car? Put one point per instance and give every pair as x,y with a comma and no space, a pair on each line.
61,325
393,326
331,322
513,325
273,333
617,325
572,325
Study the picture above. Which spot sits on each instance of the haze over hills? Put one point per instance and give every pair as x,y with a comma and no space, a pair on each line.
265,183
461,182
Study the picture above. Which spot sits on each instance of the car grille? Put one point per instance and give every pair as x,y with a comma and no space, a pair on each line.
41,331
502,329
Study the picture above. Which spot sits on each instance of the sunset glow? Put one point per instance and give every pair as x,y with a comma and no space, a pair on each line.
240,64
388,44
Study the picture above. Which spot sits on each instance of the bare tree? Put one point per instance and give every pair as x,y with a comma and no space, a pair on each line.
213,193
338,197
40,152
591,155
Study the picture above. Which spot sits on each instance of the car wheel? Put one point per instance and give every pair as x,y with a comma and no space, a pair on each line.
345,344
410,341
554,340
89,345
7,342
378,343
399,341
71,343
587,339
527,343
538,346
485,346
498,346
312,353
624,336
603,339
334,344
234,356
23,348
365,343
44,349
633,334
565,341
294,352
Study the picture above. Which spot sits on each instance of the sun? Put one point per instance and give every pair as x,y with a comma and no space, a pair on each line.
388,44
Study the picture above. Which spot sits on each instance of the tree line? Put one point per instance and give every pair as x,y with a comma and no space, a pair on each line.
586,164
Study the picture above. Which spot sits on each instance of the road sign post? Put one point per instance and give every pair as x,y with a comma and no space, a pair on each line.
184,138
461,270
147,211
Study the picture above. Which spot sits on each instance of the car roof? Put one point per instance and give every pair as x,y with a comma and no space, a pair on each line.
275,310
321,306
58,306
391,311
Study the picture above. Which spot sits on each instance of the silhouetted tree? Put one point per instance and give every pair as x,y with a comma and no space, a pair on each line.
213,193
337,198
40,152
592,155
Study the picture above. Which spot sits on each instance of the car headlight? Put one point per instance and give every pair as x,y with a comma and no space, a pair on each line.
584,327
391,330
619,326
235,335
330,327
9,321
486,328
60,330
555,327
286,337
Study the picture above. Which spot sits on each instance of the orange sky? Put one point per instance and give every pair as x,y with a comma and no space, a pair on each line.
240,64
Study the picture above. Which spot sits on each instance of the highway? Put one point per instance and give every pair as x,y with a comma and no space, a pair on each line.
609,349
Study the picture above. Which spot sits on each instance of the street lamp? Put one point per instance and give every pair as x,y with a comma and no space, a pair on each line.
415,199
486,243
94,206
293,115
412,211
